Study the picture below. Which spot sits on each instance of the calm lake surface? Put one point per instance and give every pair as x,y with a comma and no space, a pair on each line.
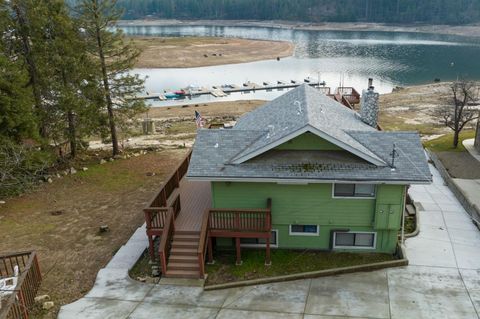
391,58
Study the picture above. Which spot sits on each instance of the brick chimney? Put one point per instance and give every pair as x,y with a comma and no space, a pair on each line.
369,105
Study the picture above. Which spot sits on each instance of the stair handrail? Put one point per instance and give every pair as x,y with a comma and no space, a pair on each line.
166,240
202,242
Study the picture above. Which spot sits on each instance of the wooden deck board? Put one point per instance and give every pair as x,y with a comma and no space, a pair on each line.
195,198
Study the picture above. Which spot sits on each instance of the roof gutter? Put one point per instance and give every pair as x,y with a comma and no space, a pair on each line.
291,181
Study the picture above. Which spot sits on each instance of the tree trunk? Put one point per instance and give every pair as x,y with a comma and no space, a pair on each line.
455,138
72,134
106,86
32,69
477,136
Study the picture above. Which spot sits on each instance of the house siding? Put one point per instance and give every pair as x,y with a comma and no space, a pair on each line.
314,204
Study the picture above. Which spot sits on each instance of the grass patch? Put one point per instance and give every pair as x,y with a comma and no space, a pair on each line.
284,262
181,127
109,176
142,267
445,143
410,224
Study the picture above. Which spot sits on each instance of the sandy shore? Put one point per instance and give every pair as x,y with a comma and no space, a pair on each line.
472,30
188,52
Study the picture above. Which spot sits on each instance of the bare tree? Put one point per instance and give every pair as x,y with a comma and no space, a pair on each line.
459,110
477,135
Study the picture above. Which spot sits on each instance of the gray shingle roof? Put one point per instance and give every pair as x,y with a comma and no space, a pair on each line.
304,107
215,151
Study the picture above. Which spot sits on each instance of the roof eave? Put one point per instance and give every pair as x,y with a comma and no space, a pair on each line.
305,181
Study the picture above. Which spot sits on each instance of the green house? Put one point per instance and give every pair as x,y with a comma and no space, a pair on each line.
334,181
300,172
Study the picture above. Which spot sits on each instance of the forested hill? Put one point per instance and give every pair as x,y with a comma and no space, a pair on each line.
389,11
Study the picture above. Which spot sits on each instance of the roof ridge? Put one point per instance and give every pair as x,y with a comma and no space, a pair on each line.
250,144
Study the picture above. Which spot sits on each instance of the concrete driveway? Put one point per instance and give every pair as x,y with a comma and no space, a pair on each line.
442,281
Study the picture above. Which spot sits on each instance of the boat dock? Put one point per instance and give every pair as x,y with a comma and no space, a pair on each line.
224,90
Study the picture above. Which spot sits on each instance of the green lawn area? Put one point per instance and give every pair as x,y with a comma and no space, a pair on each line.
284,262
410,224
445,143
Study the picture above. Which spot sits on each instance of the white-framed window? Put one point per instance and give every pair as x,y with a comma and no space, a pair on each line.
342,190
260,242
304,230
355,240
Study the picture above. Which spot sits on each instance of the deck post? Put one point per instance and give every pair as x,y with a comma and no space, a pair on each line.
151,248
210,250
268,261
239,256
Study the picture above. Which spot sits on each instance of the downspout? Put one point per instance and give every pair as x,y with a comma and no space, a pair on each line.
403,215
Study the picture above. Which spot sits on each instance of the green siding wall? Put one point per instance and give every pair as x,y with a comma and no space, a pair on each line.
312,204
308,141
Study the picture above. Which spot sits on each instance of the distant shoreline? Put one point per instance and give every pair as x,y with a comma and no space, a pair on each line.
472,30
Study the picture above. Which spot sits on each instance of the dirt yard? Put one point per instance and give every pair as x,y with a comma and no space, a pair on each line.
408,108
61,220
188,52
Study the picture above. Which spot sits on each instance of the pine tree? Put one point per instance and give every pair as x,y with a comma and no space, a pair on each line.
17,121
25,24
115,57
75,80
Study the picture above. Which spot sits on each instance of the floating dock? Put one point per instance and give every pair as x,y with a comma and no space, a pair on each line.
224,90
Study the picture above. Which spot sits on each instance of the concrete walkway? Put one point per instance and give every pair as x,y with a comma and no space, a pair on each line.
468,144
442,281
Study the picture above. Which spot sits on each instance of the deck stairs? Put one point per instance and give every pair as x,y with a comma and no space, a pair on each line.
183,260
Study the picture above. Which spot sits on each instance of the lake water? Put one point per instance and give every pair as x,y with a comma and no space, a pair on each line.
391,58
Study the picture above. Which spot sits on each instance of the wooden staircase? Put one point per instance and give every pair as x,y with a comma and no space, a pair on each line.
183,259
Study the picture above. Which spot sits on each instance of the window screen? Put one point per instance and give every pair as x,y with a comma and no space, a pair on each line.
354,190
365,190
354,239
344,239
307,229
344,189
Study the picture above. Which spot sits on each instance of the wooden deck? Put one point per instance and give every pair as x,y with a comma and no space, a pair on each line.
195,199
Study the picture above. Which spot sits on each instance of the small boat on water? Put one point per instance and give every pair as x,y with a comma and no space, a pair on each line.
171,95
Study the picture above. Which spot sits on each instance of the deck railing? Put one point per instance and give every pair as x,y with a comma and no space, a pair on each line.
350,94
155,218
166,241
202,243
20,302
155,212
324,90
160,199
239,220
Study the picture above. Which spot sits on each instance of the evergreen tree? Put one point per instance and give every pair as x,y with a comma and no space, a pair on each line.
25,25
17,121
77,97
115,57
